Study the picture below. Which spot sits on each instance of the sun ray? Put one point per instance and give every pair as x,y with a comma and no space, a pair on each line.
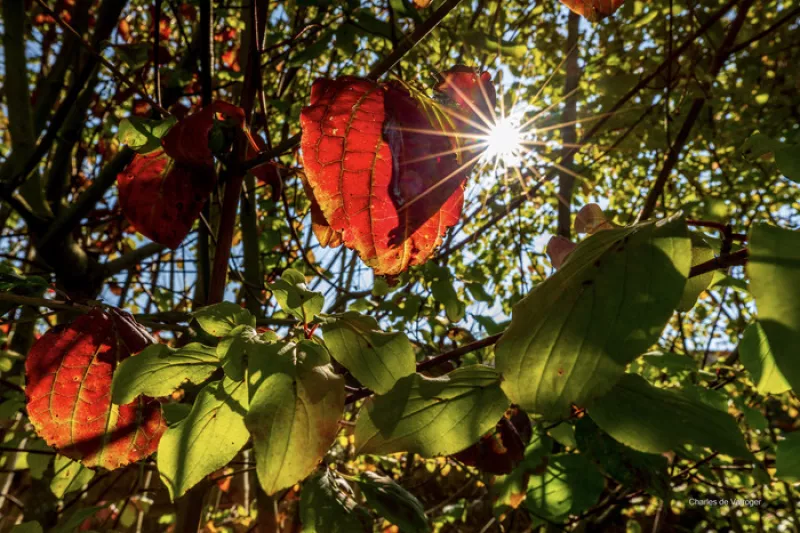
465,148
437,184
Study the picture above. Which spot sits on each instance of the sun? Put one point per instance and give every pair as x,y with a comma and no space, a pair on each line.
505,139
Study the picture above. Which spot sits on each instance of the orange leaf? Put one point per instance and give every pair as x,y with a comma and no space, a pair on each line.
68,373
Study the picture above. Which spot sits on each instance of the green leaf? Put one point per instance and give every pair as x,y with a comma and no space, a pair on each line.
564,434
294,418
28,527
71,524
432,416
376,359
444,293
774,271
569,485
295,298
394,503
787,458
631,468
207,439
219,319
69,476
232,348
142,135
701,252
571,337
788,161
158,370
758,359
327,506
655,420
484,42
509,491
175,412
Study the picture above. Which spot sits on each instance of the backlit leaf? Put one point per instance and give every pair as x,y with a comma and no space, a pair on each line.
207,439
571,337
570,484
295,298
758,359
162,198
220,319
69,375
376,359
655,420
787,458
158,370
593,10
774,271
432,416
68,476
142,135
381,181
294,418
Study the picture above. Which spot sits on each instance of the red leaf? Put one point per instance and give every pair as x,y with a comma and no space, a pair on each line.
68,372
188,140
593,10
472,92
385,169
162,198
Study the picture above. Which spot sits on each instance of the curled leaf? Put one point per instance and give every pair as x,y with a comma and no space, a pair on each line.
386,168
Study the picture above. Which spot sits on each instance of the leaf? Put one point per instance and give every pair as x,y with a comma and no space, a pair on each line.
443,292
372,176
432,416
656,420
394,503
569,485
571,337
500,450
144,136
701,252
69,375
591,218
485,43
509,491
295,298
31,526
207,439
192,140
294,418
633,469
232,348
69,476
758,359
162,198
158,370
787,458
220,319
327,506
774,272
593,10
376,359
788,161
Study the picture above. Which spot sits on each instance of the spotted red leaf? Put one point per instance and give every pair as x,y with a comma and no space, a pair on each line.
500,450
162,198
68,373
386,169
593,10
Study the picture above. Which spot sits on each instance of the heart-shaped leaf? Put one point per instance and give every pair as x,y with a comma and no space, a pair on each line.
162,198
572,335
69,373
